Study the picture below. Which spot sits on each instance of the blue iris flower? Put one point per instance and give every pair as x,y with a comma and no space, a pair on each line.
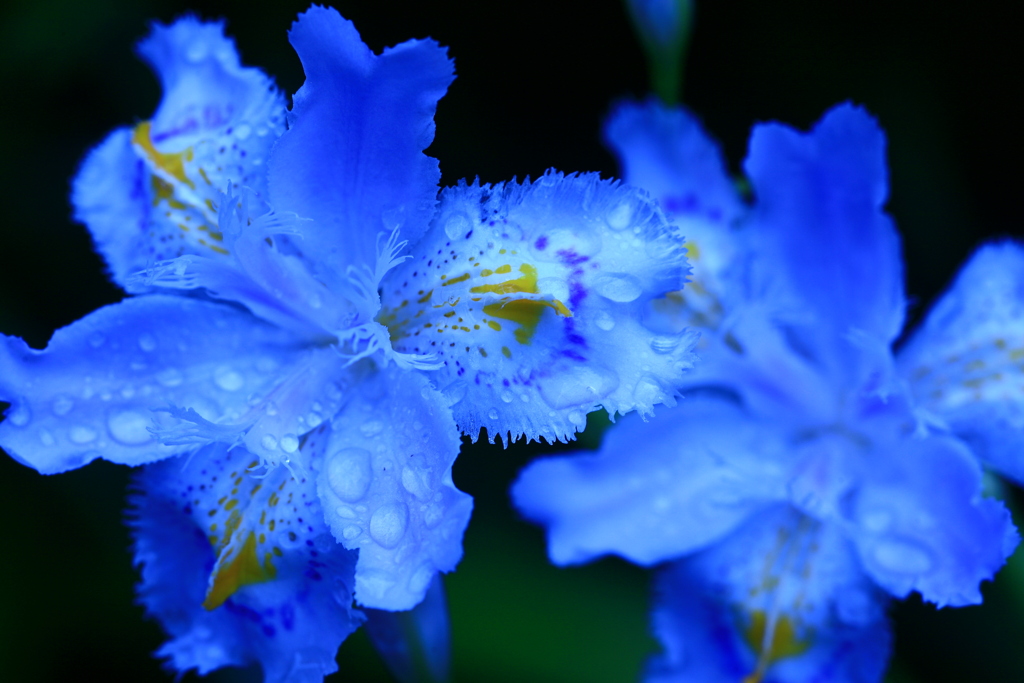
811,474
312,327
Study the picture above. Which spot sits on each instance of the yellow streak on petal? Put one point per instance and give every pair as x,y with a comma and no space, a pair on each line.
784,643
244,570
172,164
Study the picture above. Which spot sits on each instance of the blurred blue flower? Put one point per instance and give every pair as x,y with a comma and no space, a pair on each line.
810,474
311,330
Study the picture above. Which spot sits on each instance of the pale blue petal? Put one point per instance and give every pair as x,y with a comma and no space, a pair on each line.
531,297
149,194
191,522
92,392
705,467
965,364
828,254
386,486
352,159
921,523
415,644
707,616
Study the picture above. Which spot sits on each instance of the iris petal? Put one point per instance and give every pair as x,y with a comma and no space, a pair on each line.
532,297
93,391
241,569
386,486
352,159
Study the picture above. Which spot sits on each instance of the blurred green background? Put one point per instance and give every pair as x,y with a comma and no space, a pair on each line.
535,79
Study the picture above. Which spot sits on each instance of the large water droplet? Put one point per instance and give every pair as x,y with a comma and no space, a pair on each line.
455,392
421,578
415,482
269,442
620,217
228,379
619,287
371,428
388,524
20,416
289,443
314,420
577,418
582,385
147,342
604,321
171,377
350,532
349,474
129,427
62,405
82,435
665,343
457,225
902,557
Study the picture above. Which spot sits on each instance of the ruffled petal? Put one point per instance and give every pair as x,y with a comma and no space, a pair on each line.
704,468
965,364
240,569
828,254
150,193
531,299
783,600
352,159
386,486
92,392
921,523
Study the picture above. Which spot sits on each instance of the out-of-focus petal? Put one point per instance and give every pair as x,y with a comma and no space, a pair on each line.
705,467
240,569
92,392
829,258
965,364
532,298
386,485
149,194
782,600
352,159
415,644
921,523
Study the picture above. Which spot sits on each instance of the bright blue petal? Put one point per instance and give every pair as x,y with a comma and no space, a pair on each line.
965,364
921,523
827,251
93,391
705,467
256,577
386,486
783,600
150,193
352,159
531,297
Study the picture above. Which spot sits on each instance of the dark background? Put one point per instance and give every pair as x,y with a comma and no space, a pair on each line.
535,79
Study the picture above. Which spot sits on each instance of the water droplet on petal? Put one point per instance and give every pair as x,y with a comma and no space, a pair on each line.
457,225
228,379
492,414
82,435
20,416
902,557
46,438
147,342
582,385
604,321
62,405
388,524
349,474
648,391
314,420
270,409
619,287
350,532
416,483
289,443
506,396
171,377
269,442
455,392
371,428
620,217
577,418
129,427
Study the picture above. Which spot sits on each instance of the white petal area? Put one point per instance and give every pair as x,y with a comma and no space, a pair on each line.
532,297
93,391
705,467
965,364
386,487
